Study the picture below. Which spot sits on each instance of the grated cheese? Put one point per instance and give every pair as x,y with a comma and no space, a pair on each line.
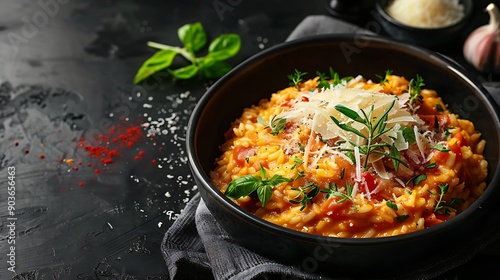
426,13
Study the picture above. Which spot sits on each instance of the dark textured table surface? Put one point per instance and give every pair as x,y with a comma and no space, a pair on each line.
66,73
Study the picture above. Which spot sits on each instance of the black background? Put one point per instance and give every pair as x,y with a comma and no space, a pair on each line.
66,72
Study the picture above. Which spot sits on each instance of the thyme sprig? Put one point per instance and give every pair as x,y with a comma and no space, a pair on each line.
414,88
323,82
384,79
277,125
296,78
376,128
442,207
305,195
332,190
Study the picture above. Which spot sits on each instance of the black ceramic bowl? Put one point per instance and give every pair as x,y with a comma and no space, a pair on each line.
426,37
265,73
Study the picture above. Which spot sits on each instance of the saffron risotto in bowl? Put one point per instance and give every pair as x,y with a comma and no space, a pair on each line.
314,154
352,157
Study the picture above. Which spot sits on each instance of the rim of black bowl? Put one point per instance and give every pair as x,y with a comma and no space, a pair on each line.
198,171
381,4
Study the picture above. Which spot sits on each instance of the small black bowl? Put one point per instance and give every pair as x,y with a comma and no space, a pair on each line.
425,37
264,74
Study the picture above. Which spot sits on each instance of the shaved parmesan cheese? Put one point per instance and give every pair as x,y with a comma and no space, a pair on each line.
354,189
379,168
418,140
319,107
367,190
400,182
307,149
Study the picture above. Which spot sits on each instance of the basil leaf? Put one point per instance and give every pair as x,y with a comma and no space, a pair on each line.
263,172
264,193
184,73
159,61
216,69
278,179
224,46
242,187
193,36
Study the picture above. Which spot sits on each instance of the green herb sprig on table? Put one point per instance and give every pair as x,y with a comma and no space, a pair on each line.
194,38
247,185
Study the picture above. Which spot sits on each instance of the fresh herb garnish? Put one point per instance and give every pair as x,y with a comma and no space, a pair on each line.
456,201
300,174
440,207
323,82
384,80
336,80
416,179
440,148
246,185
447,132
391,204
277,125
431,165
402,218
296,161
414,89
306,194
332,190
376,128
194,38
296,78
409,135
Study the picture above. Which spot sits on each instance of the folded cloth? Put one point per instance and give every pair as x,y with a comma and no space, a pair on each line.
196,247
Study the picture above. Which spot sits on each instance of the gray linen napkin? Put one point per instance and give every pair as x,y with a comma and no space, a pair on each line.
196,247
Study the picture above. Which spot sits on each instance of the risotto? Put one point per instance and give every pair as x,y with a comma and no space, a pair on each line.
352,157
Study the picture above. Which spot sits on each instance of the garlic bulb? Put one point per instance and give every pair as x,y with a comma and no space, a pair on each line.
482,46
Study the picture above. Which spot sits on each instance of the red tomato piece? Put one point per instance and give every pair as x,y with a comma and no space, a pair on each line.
241,154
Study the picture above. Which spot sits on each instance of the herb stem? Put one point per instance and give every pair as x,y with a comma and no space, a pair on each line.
182,51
